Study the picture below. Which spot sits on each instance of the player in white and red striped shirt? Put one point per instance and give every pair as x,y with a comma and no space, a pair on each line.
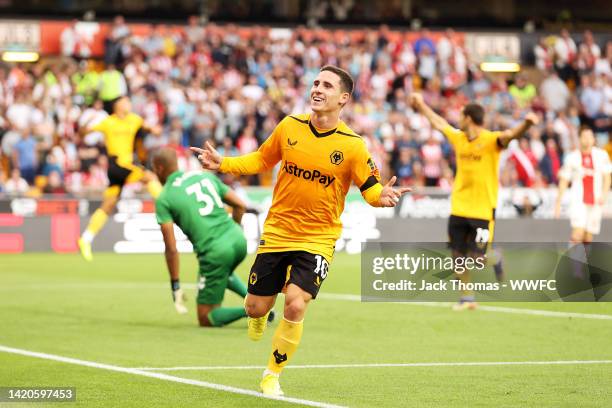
588,169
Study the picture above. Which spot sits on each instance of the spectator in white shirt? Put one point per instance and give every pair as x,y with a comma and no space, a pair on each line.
16,184
19,113
445,49
252,90
427,65
590,44
92,116
591,98
194,31
555,92
543,55
604,62
565,53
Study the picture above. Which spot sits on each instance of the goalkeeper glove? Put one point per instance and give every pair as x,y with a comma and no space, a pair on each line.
178,297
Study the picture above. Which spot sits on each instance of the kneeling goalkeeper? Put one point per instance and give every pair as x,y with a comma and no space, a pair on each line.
195,202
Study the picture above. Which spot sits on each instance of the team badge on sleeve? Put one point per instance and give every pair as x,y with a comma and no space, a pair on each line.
373,169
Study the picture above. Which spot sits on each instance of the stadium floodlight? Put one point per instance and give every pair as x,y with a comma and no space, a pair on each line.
20,56
500,67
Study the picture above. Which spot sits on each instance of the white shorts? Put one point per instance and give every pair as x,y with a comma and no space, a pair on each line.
586,217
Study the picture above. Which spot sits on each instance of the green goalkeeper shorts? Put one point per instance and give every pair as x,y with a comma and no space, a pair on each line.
217,263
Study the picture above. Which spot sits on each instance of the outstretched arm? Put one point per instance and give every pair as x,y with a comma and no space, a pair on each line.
516,132
251,163
266,157
172,261
153,129
437,121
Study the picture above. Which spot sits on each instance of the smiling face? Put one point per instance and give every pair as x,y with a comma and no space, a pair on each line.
327,94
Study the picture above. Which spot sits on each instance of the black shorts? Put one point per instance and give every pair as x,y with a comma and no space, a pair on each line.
117,175
469,234
273,270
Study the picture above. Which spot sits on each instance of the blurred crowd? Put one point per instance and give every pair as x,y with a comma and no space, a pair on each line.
213,83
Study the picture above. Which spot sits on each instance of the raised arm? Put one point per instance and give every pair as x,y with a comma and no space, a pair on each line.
437,121
516,132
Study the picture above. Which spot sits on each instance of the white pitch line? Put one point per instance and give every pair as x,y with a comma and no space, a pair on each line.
486,308
330,296
383,365
160,376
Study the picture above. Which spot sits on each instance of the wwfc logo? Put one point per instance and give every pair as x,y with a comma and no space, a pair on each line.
309,175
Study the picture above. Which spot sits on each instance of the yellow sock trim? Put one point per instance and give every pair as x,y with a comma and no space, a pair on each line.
284,343
97,221
154,188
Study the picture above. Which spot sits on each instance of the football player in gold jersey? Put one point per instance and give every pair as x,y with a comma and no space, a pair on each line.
474,194
120,132
320,158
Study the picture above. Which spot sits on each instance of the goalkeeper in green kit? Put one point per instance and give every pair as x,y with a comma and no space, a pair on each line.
195,202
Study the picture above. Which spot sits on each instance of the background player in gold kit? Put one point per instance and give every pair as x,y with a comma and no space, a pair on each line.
320,158
474,194
120,131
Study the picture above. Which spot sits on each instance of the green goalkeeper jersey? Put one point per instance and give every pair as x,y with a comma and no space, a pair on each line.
193,201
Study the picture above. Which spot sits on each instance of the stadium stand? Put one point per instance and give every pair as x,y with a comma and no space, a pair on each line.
231,85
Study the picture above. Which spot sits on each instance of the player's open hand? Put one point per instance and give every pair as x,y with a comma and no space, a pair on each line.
532,118
390,196
208,156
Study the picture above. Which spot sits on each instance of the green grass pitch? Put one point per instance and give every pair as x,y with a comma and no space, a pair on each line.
118,310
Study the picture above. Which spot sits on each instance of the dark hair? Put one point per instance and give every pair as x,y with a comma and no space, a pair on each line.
346,81
583,128
114,101
475,112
